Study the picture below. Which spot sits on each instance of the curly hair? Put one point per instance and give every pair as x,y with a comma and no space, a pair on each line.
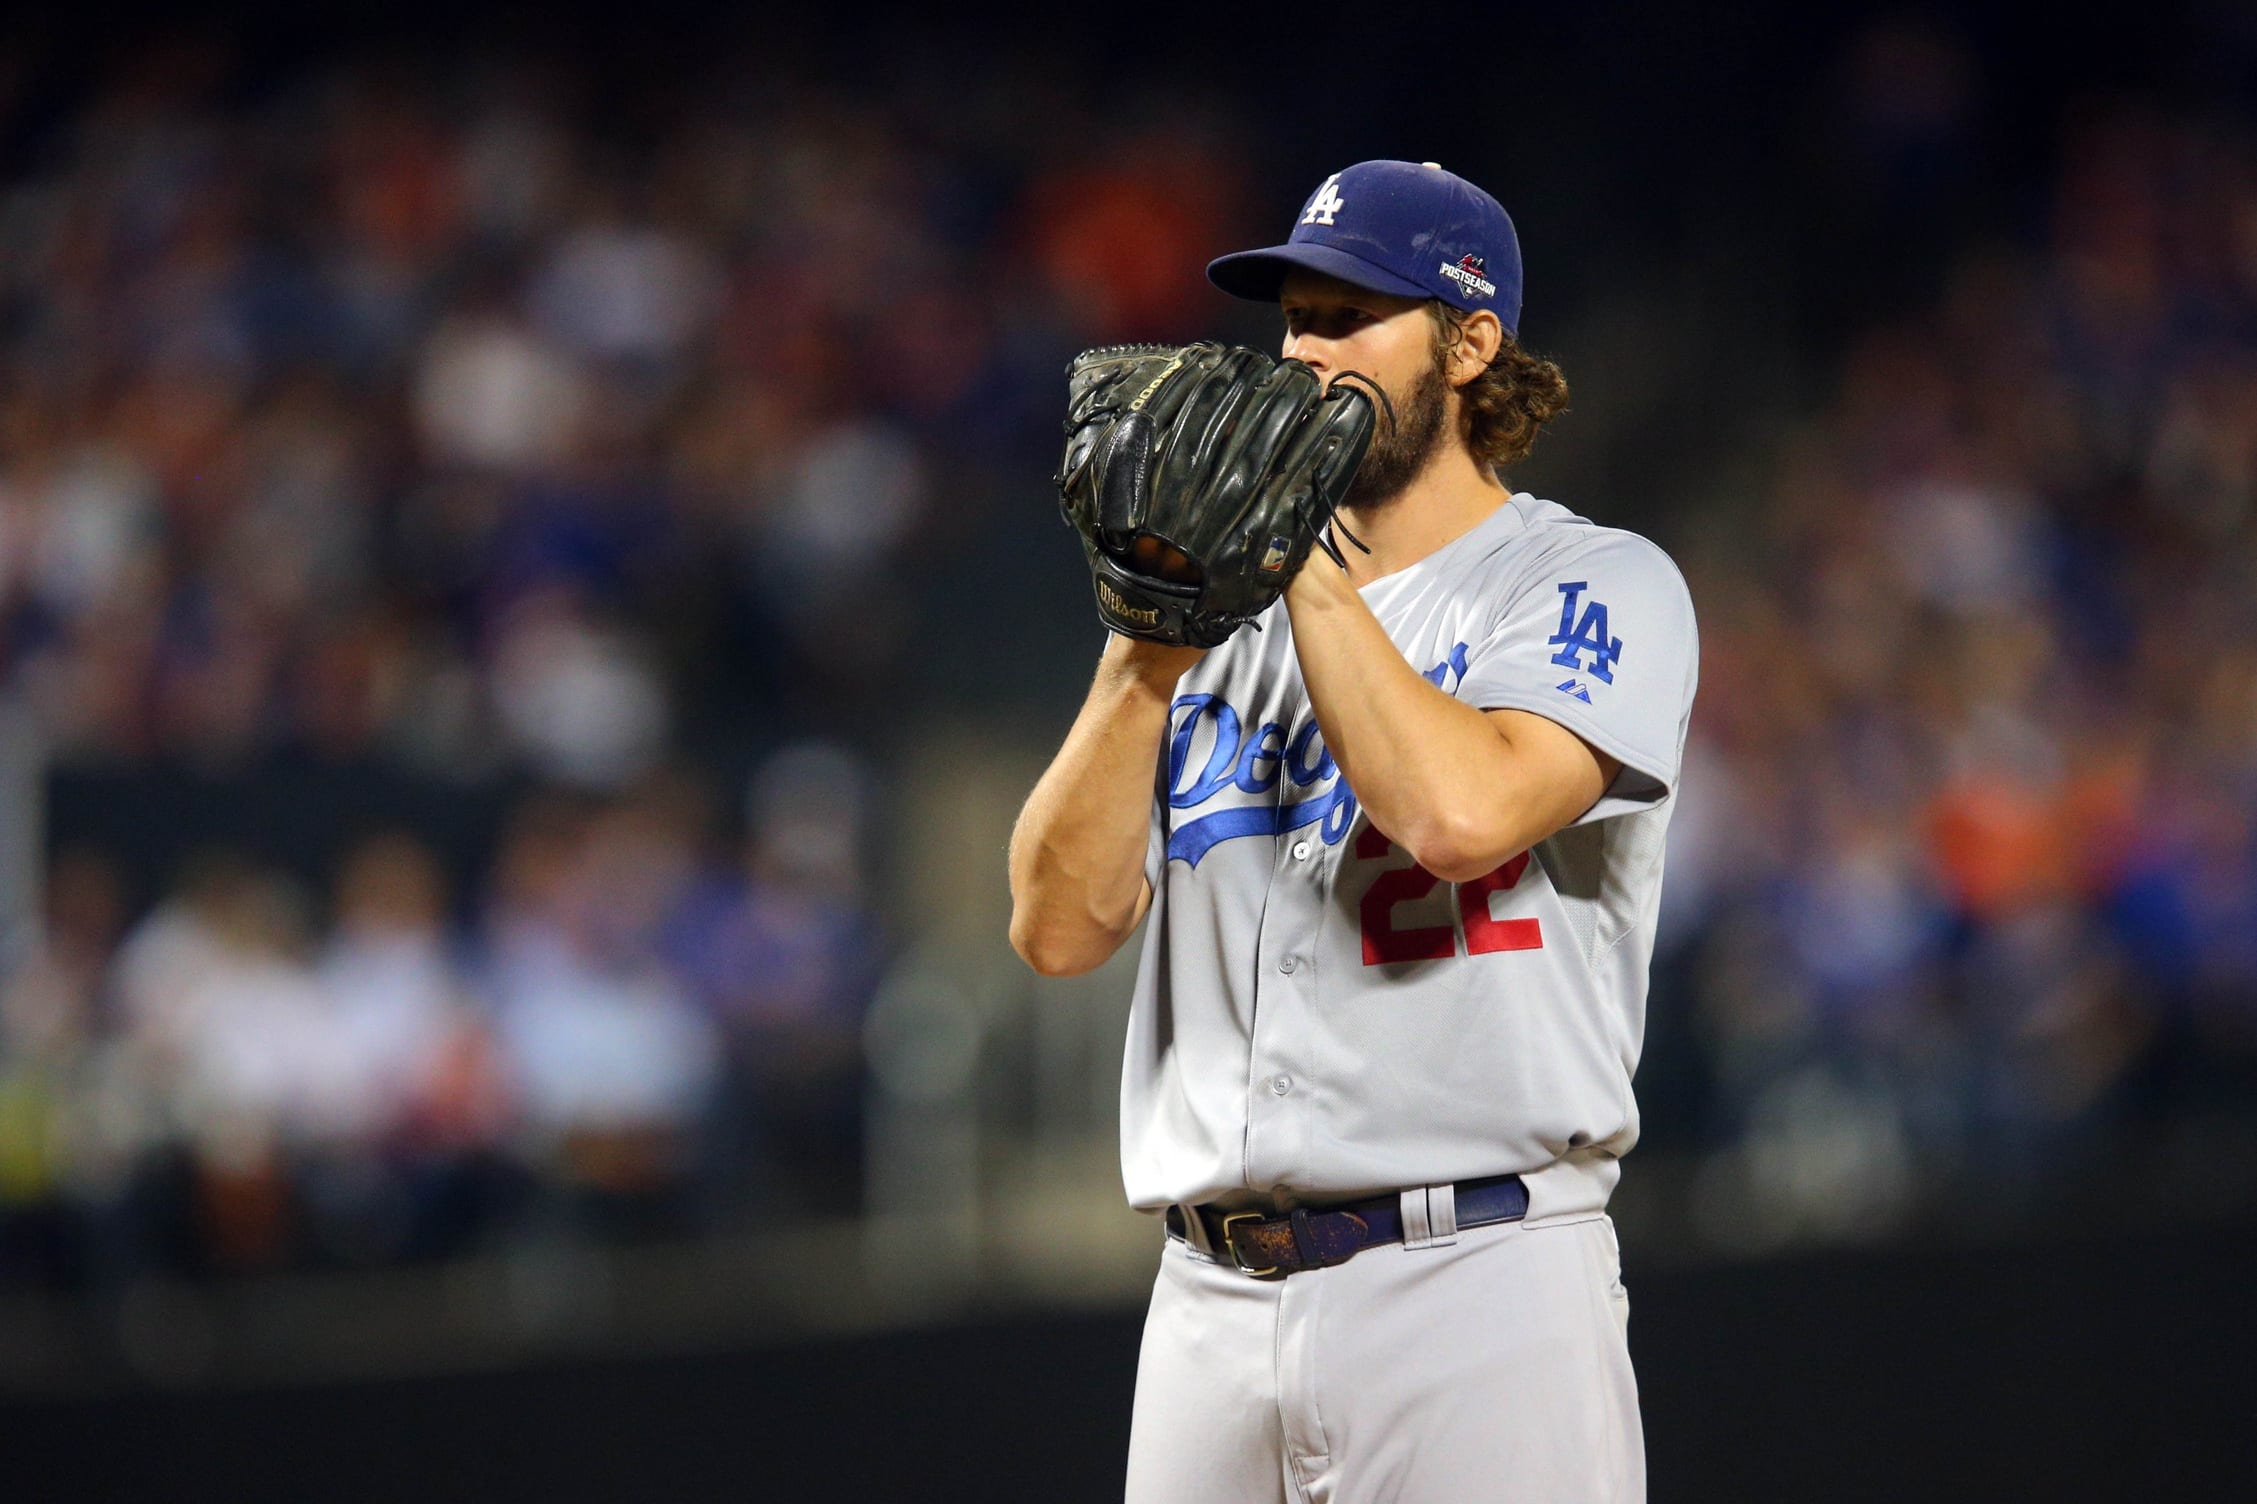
1507,405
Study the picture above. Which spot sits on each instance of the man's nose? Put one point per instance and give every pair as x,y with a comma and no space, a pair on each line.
1310,351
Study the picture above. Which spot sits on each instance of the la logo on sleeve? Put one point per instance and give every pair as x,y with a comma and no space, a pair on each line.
1586,634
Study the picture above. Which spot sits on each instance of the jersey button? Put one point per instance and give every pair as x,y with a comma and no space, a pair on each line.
1281,1084
1287,965
1300,851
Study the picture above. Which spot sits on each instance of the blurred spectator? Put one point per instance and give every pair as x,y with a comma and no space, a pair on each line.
579,697
394,988
1121,239
67,1138
491,393
217,995
635,294
423,1106
785,953
612,1066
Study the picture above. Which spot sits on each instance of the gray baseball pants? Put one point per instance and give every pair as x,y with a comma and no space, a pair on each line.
1495,1367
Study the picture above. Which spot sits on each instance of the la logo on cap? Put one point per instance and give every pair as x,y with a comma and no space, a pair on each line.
1419,231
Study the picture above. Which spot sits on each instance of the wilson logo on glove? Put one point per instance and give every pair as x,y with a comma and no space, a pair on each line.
1120,606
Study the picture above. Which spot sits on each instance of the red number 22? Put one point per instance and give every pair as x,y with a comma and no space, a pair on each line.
1383,943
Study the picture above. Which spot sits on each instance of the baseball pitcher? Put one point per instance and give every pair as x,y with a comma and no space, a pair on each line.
1384,751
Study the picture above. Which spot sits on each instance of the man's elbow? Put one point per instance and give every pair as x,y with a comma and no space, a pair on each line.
1052,953
1458,849
1451,867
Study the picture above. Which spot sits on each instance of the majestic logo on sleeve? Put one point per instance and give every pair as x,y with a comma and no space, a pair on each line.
1263,782
1584,634
1327,203
1467,273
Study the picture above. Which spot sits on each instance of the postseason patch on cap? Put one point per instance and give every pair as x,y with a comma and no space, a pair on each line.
1467,273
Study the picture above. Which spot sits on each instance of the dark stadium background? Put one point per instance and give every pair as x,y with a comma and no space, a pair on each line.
529,595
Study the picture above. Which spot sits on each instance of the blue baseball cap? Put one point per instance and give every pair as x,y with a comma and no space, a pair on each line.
1407,228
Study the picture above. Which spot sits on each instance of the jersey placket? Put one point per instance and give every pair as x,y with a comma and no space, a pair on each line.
1278,1087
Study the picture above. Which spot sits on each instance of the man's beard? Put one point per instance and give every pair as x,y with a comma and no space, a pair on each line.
1400,450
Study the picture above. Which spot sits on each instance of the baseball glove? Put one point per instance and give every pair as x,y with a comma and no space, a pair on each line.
1200,477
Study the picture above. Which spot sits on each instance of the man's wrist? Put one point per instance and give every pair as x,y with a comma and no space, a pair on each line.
1150,667
1320,582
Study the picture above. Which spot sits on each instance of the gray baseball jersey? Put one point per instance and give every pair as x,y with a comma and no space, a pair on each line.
1315,1015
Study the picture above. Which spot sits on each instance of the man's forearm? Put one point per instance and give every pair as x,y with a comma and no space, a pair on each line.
1077,853
1430,771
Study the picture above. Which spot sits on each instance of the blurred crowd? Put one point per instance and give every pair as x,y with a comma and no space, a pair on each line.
485,422
505,412
504,419
635,1033
1963,889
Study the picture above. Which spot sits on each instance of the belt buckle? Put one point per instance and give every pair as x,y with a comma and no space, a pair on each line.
1232,1247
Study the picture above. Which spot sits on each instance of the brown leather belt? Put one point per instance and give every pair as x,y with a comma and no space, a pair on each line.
1269,1247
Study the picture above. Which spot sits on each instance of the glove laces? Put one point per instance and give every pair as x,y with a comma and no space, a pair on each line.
1324,535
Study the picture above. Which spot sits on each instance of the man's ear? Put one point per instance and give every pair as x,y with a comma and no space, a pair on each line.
1480,337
